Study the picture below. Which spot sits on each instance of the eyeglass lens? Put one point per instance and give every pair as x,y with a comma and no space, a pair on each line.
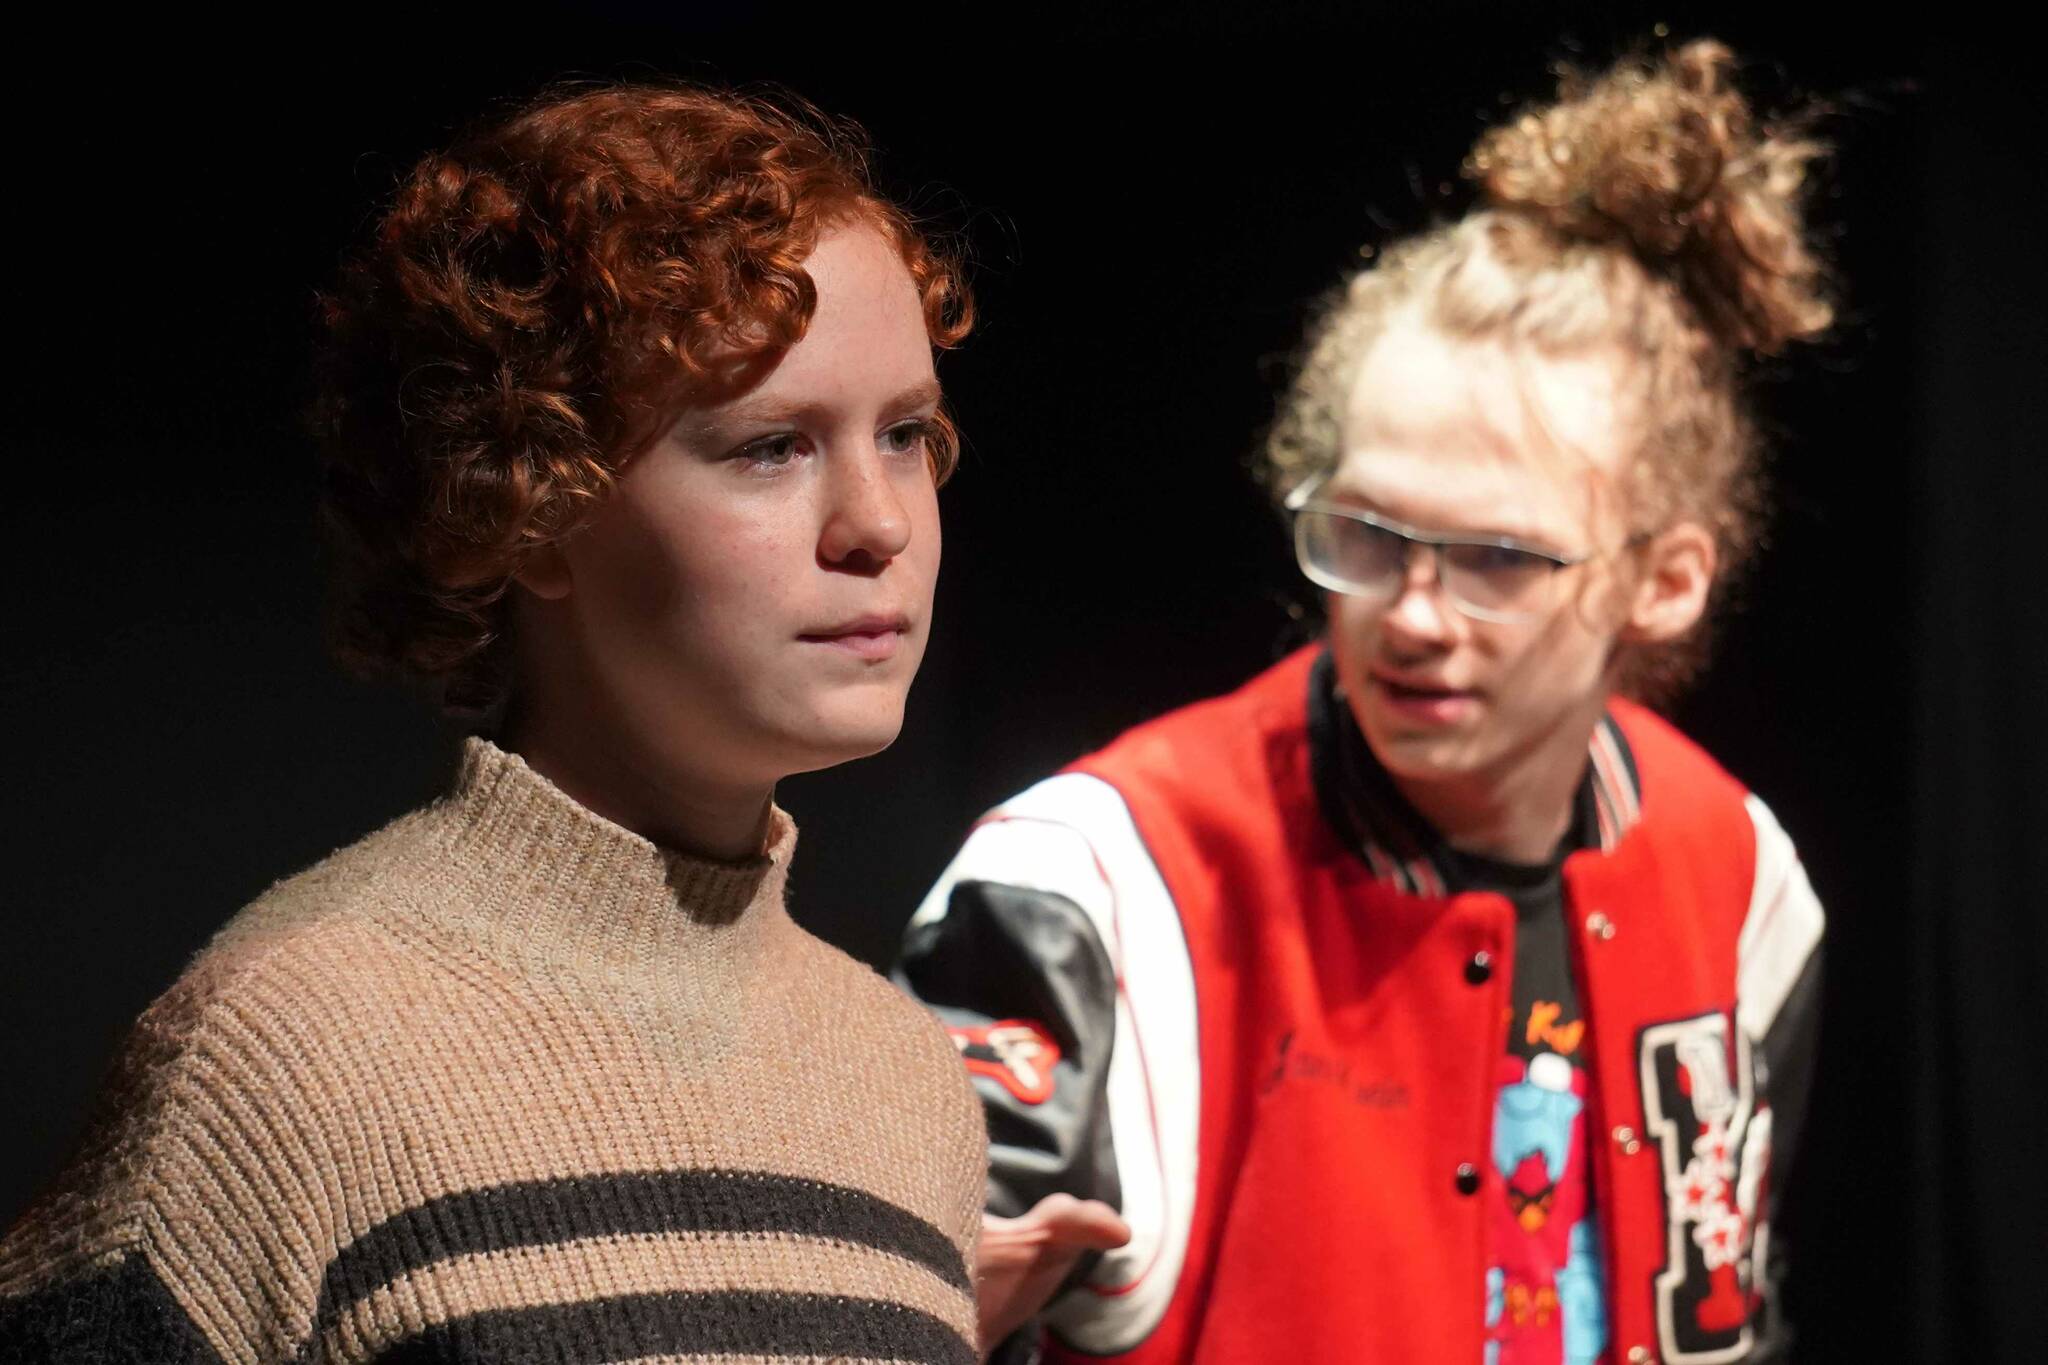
1362,558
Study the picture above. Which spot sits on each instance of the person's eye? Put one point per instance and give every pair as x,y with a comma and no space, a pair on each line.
1503,560
907,438
770,452
1497,557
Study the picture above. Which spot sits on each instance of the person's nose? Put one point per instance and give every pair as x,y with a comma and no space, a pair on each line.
1420,611
866,524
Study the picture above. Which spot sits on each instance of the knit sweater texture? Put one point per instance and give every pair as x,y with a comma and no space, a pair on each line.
506,1082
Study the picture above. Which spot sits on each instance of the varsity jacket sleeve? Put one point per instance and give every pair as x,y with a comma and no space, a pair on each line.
1053,953
1778,1008
1023,984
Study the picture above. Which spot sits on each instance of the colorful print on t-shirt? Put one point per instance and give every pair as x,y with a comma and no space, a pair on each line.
1544,1302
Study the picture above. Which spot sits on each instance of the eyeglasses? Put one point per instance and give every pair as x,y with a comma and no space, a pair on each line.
1492,578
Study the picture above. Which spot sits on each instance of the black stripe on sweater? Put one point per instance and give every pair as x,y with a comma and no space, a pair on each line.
542,1212
116,1315
731,1322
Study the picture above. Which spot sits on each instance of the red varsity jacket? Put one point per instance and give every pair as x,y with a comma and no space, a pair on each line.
1189,979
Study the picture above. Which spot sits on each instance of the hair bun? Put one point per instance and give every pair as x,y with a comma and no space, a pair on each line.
1665,158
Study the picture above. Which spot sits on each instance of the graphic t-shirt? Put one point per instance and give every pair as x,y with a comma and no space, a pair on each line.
1545,1295
1545,1283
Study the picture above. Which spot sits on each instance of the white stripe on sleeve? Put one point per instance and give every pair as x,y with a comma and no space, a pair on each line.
1782,929
1073,835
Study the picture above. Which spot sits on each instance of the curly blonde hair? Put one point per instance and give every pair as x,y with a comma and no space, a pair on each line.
1645,211
533,308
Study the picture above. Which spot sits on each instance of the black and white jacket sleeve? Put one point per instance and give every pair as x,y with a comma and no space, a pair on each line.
1778,1009
1054,955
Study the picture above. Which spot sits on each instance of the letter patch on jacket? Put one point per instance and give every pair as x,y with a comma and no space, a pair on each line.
1699,1098
1016,1053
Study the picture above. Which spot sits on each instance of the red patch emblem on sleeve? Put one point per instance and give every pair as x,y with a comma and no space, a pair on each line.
1017,1054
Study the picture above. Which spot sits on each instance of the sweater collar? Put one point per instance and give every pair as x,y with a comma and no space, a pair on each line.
529,865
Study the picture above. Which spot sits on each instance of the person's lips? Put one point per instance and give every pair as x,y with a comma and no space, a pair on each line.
1423,700
873,637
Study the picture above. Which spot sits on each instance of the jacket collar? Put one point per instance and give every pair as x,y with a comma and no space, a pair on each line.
1370,817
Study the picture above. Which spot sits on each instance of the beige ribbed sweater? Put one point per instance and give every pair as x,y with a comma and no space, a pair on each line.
506,1082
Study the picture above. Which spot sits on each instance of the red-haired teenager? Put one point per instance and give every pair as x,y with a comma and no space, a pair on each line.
632,443
1427,999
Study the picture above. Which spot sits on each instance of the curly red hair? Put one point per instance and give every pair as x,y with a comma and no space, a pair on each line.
529,314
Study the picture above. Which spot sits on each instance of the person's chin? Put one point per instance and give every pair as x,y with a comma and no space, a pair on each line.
841,734
1422,754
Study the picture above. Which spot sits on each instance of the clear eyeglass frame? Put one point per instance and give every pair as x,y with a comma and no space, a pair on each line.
1457,581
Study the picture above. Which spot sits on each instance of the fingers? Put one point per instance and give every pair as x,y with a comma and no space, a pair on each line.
1087,1223
1021,1261
1059,1220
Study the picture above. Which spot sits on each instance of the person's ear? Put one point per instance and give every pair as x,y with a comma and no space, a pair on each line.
545,573
1670,595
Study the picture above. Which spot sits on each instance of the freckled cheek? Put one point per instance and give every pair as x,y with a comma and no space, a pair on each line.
665,571
913,575
926,553
747,580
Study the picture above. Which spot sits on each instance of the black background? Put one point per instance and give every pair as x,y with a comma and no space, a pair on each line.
1151,203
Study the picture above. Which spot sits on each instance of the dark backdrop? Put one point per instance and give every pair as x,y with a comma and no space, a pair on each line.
1151,203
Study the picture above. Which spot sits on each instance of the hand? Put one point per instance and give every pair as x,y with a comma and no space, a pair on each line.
1021,1261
